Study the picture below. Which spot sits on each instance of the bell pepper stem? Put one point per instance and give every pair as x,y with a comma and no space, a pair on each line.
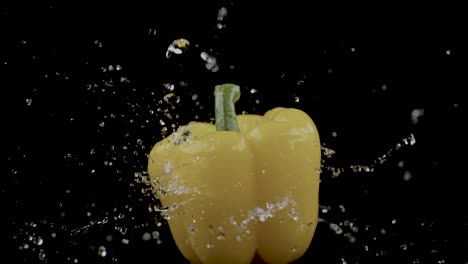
226,95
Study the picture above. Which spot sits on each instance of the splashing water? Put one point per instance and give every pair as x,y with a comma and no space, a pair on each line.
118,146
167,103
262,214
328,153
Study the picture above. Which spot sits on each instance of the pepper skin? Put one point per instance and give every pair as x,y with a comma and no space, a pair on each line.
230,195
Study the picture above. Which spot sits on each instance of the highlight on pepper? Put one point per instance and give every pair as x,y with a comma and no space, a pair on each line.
244,188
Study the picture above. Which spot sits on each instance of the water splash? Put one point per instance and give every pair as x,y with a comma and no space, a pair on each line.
337,171
85,229
262,214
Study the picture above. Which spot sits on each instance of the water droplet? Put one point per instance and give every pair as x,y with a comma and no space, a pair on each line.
293,249
222,13
122,230
168,96
28,101
342,208
296,99
152,32
325,209
220,235
155,234
102,251
169,86
448,52
98,43
192,228
394,221
336,228
210,62
209,245
293,214
42,254
125,241
328,152
146,236
404,247
253,90
416,114
407,176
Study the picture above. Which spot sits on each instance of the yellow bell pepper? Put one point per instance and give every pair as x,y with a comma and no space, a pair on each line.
247,186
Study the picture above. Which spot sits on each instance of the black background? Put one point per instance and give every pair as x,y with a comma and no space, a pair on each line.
359,71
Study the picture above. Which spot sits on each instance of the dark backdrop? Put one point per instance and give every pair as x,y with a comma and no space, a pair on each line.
83,102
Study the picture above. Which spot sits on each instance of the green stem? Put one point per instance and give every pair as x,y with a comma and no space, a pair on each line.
225,113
